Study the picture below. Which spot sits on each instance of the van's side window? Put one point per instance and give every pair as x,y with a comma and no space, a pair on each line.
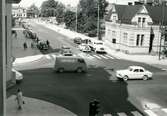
81,61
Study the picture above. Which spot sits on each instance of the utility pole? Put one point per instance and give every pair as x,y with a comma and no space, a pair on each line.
3,58
98,20
162,31
76,26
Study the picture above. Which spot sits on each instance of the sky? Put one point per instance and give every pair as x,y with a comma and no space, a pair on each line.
27,3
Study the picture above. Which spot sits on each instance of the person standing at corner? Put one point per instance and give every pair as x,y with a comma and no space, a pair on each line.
19,98
48,43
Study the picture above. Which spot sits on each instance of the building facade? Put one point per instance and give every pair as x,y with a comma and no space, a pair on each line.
19,12
129,28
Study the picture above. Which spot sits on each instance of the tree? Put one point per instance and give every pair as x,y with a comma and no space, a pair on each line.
69,19
33,11
48,8
89,11
60,10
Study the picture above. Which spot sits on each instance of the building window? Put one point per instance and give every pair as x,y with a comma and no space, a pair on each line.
143,22
125,37
137,40
113,33
114,18
139,19
114,40
142,39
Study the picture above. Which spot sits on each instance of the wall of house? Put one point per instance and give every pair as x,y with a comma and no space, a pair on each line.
128,43
8,42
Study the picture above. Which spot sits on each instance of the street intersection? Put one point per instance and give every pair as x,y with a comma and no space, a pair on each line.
74,91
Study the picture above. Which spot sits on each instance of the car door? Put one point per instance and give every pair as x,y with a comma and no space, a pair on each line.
136,74
142,73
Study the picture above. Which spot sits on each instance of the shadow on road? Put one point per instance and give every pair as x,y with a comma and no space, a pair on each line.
74,91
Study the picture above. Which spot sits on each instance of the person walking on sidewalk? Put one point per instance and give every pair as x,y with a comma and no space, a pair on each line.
19,98
25,45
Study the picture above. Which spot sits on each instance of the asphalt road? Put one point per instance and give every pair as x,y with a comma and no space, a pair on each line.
74,91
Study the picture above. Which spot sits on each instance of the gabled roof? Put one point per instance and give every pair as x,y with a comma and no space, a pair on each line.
157,13
127,12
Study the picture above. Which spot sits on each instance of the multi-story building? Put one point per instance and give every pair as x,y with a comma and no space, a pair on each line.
19,12
5,50
129,28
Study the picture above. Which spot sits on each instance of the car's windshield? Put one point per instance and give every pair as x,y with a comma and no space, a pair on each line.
130,69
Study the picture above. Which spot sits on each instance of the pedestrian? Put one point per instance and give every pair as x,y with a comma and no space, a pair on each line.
47,43
32,45
25,45
37,39
19,98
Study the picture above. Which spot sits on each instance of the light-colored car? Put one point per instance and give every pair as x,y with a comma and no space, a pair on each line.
134,72
66,51
100,49
84,48
18,76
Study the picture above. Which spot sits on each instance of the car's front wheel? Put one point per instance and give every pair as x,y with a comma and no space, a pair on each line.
79,70
125,78
61,70
145,77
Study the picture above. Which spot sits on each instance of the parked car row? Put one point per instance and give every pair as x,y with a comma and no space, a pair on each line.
87,45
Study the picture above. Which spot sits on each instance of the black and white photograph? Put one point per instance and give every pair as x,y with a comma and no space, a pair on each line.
83,58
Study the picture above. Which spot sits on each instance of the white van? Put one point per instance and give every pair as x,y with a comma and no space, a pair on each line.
70,63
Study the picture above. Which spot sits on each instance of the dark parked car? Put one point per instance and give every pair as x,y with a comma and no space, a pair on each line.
77,40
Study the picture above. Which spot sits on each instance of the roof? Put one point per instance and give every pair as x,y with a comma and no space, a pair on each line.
156,14
127,12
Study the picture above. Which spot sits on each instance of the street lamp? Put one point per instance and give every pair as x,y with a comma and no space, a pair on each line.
98,21
76,26
162,31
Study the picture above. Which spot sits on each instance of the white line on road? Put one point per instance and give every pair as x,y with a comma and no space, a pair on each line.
122,114
110,56
48,57
107,115
150,113
53,55
103,56
136,113
97,56
164,109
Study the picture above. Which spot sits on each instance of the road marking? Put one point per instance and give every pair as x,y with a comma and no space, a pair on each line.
53,55
150,113
97,56
103,56
160,112
164,109
164,69
110,56
136,113
122,114
48,57
107,115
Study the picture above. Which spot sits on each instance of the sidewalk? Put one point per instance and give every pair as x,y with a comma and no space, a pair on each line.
17,45
35,107
148,59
